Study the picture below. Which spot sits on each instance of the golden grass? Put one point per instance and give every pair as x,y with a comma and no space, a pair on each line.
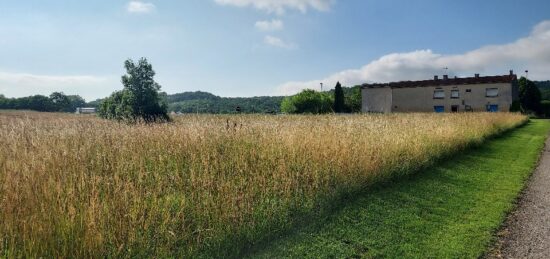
79,186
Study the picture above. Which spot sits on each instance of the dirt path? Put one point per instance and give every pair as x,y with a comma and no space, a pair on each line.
527,230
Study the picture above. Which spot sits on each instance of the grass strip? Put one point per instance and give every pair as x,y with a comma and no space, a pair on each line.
450,210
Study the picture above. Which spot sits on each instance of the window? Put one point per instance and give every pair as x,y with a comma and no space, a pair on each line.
455,94
492,108
439,108
468,90
439,94
491,92
454,108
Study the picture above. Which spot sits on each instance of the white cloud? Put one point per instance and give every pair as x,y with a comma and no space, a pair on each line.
280,6
140,7
273,25
277,42
25,84
531,52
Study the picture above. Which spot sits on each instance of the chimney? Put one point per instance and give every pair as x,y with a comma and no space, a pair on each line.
445,77
476,75
436,77
511,72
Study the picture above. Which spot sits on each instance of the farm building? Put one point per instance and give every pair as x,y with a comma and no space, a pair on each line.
81,110
478,93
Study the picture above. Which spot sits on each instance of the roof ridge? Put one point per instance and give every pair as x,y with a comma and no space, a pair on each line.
446,81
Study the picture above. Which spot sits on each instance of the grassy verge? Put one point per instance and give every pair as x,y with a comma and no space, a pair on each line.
448,211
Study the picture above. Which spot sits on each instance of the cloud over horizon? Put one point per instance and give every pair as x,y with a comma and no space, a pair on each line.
531,52
281,6
140,7
25,84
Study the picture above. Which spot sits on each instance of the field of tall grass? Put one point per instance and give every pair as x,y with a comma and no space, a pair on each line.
205,185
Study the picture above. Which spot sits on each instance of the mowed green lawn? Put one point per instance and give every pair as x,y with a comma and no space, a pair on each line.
451,210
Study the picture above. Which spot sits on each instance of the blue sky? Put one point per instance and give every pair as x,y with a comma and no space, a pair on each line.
264,47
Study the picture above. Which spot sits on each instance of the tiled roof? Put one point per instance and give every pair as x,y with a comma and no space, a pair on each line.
446,81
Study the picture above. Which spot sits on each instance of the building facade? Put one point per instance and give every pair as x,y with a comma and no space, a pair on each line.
488,93
83,110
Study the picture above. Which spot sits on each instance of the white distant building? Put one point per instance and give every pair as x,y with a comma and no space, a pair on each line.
81,110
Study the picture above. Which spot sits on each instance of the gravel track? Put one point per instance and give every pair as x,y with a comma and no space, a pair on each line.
526,233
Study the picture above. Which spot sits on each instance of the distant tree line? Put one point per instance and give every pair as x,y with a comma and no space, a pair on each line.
534,98
226,105
190,96
56,102
200,102
544,88
543,96
204,102
339,100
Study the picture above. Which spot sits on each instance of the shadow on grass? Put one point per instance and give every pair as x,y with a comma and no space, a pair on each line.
454,202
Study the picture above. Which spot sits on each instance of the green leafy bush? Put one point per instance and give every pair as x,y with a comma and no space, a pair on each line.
308,101
139,100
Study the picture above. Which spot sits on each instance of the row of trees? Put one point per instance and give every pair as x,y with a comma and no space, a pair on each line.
338,100
56,102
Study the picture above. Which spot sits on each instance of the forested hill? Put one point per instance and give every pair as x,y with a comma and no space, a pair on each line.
544,87
203,102
188,96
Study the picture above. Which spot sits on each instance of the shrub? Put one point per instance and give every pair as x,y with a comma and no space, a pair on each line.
308,101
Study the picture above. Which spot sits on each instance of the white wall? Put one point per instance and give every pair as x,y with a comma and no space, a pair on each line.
377,99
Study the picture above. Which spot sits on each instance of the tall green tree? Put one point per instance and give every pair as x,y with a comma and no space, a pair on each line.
339,100
529,96
60,101
76,101
139,100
